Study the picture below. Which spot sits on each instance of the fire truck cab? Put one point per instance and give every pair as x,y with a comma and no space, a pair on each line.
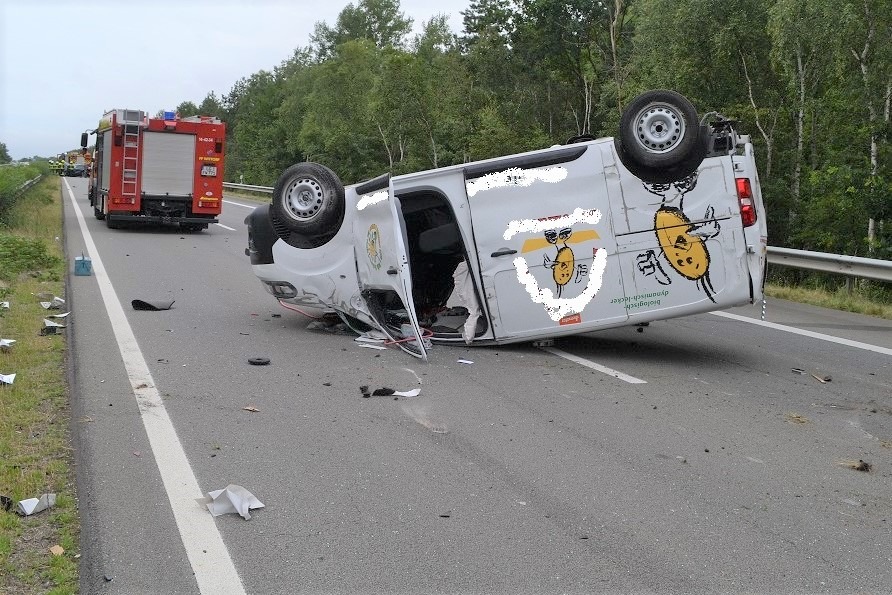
157,170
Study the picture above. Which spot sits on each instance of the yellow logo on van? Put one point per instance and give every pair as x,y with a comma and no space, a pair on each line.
373,246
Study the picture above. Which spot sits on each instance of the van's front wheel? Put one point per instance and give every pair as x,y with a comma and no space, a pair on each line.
660,138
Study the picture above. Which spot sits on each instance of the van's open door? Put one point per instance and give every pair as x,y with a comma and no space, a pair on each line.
383,268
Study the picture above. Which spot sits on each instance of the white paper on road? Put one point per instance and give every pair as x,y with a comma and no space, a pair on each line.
4,305
5,344
52,323
7,378
232,498
63,315
407,393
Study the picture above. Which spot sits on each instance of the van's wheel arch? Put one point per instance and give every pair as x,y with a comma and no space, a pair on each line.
307,205
660,138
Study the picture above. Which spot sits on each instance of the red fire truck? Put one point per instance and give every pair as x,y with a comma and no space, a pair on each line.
157,170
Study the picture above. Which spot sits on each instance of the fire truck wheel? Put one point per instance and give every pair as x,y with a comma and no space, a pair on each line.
660,130
308,200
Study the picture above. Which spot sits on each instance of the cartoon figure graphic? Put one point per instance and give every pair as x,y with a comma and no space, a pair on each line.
558,231
373,246
682,243
564,266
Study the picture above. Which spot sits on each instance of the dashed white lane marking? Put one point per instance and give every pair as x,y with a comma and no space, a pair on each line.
594,366
225,226
804,333
208,556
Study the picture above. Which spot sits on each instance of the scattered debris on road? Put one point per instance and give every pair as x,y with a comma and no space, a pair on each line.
259,361
823,379
151,306
858,465
387,392
7,378
795,418
57,550
231,499
251,408
6,345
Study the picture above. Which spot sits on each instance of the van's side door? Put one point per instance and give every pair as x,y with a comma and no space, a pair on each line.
544,238
383,268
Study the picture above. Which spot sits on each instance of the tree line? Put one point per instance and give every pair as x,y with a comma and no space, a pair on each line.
809,80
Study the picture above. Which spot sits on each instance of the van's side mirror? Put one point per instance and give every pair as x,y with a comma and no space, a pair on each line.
84,139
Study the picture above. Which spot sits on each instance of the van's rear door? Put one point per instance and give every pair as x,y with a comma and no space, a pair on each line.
681,244
383,268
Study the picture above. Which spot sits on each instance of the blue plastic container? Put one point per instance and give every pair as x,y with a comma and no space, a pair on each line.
83,266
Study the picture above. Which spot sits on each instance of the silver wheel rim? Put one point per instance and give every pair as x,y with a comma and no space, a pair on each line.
303,198
659,128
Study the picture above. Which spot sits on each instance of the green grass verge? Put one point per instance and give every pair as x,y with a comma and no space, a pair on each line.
872,304
35,456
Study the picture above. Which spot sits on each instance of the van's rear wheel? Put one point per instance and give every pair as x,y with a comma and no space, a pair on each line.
308,200
660,138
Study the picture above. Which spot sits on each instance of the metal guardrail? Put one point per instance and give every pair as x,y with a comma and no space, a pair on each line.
248,188
852,266
28,184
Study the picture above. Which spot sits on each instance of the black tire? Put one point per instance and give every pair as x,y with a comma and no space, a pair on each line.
659,130
308,201
666,175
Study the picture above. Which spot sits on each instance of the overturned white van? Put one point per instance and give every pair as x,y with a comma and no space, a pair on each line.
664,220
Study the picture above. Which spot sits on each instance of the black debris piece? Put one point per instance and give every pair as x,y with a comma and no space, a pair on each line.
383,392
259,361
153,306
6,503
364,389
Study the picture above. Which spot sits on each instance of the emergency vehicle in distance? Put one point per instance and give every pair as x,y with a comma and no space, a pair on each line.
157,170
664,220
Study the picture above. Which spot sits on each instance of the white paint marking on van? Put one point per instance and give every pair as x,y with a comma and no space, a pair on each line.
225,226
208,556
579,215
804,333
371,199
514,176
593,365
557,308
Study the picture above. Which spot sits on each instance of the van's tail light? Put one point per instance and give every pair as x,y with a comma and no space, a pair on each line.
745,199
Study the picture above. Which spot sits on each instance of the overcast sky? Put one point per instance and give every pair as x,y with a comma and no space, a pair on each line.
62,65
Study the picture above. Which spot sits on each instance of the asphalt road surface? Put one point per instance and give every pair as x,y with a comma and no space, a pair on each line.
526,471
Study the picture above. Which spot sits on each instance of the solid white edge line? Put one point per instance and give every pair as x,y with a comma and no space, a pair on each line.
208,556
225,226
594,366
804,333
